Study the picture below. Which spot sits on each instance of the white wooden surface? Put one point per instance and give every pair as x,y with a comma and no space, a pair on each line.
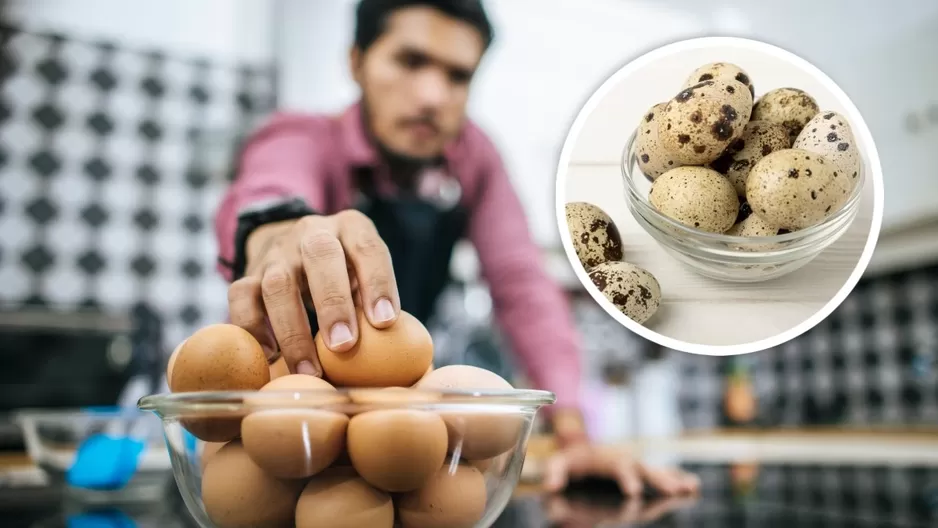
696,309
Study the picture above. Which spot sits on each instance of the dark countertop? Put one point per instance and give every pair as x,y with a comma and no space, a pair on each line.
733,496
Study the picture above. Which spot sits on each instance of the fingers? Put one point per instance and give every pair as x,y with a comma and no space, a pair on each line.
288,320
371,261
246,309
629,479
690,483
665,481
326,272
556,473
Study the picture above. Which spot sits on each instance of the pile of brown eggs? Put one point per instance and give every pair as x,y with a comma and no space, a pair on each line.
307,455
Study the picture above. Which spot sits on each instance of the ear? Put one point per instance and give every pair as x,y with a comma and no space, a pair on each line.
355,59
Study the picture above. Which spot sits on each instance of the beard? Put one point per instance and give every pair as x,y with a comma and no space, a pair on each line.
397,161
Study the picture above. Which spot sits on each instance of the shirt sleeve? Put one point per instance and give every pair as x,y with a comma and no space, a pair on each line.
530,306
280,161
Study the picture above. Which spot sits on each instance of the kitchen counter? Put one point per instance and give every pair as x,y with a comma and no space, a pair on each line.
884,480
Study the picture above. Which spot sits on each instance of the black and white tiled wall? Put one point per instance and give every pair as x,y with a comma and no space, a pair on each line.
874,361
112,162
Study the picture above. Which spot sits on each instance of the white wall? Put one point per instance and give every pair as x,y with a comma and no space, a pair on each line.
223,30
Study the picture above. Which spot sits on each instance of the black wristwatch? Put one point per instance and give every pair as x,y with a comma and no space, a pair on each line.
256,215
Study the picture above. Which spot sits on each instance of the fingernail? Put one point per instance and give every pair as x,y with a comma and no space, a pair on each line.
384,310
306,367
339,335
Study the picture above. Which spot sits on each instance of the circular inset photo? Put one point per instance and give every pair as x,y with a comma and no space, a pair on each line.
719,196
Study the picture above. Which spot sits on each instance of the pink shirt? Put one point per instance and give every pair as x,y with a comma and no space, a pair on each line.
309,156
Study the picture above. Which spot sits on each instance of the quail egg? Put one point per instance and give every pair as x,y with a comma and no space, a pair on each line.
653,159
697,197
794,189
789,107
720,70
703,119
633,290
830,135
759,139
594,234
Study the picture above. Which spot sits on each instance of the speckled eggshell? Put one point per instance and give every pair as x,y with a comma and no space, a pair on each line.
754,226
831,135
653,159
790,107
594,235
720,70
697,197
795,189
633,290
759,139
703,119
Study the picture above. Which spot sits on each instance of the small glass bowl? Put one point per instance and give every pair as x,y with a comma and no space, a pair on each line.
53,439
733,258
470,418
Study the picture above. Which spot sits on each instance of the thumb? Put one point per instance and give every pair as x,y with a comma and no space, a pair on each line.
556,473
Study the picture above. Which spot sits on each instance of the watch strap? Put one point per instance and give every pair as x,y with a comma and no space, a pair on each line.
257,215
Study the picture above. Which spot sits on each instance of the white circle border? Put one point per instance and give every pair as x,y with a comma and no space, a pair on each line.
860,128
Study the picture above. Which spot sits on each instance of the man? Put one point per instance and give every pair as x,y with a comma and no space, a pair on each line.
322,204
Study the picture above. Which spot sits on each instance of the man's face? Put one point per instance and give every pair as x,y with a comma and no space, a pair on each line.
415,80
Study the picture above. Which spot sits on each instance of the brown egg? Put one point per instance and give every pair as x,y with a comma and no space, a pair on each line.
196,369
476,435
425,374
392,396
221,357
172,363
450,499
293,442
340,499
237,493
279,368
395,357
209,449
397,449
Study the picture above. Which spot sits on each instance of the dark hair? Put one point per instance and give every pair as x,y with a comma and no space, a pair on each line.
372,15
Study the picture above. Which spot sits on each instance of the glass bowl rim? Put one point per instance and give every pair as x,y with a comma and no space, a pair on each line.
628,162
183,403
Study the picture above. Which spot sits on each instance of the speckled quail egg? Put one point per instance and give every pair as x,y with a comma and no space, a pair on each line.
789,107
754,226
794,189
653,159
633,290
830,135
720,70
697,197
759,139
703,119
594,234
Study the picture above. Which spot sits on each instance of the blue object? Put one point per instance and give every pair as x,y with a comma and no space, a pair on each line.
105,462
103,519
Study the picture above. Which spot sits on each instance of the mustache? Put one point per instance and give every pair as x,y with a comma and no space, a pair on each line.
427,120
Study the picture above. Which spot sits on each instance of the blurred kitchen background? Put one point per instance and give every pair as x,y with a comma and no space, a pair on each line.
118,121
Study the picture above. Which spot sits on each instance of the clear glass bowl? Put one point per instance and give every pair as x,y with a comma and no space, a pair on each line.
462,491
726,257
53,439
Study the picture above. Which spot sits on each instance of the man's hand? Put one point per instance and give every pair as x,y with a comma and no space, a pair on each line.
588,460
331,262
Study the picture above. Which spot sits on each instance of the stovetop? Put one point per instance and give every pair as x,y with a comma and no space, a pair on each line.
743,496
